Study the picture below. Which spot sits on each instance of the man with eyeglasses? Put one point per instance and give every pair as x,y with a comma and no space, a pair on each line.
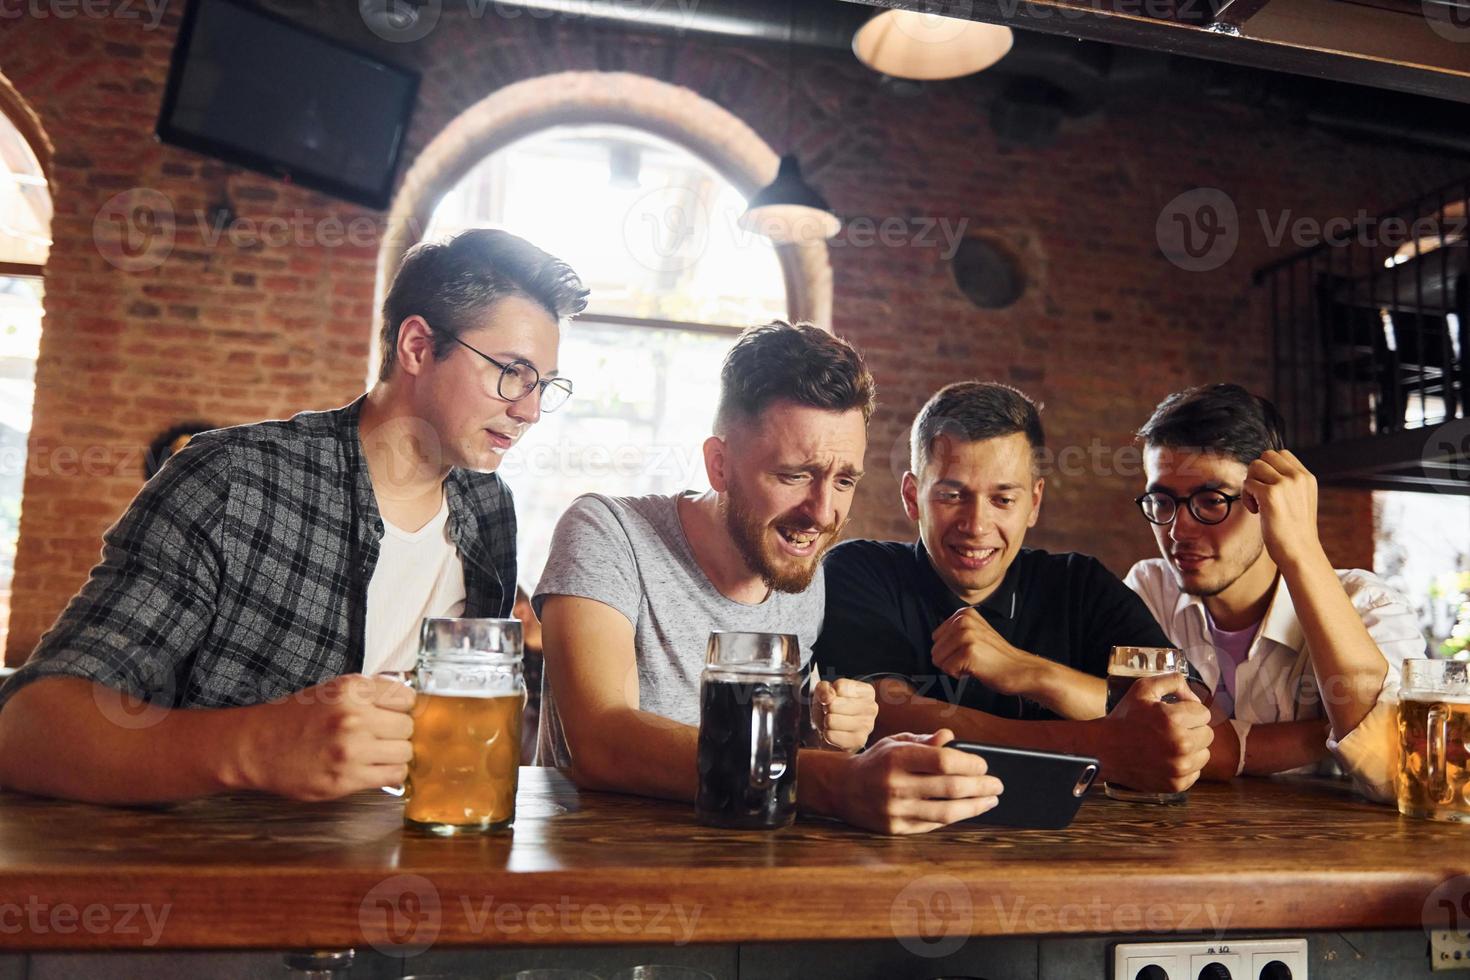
229,637
969,630
1304,659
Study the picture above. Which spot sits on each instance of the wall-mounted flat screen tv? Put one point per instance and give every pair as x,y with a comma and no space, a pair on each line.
262,92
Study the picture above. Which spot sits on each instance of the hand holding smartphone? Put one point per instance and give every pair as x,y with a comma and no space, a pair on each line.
1043,790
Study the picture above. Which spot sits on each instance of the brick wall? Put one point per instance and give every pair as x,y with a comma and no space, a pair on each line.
232,331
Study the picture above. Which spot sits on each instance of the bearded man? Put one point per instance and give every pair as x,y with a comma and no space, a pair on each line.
635,585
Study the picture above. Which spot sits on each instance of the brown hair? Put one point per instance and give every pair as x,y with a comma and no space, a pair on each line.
972,411
1222,418
452,282
791,362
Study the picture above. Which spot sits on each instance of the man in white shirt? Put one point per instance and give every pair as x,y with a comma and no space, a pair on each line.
1304,659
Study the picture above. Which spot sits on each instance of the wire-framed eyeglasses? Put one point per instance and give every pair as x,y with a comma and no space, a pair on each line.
519,378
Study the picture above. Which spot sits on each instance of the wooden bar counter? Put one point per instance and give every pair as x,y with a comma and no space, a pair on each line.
586,868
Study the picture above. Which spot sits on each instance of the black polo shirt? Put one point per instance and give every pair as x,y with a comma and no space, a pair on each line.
884,602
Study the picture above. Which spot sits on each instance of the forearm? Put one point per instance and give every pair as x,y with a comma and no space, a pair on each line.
821,779
1270,748
899,710
1067,692
56,739
662,762
1349,666
637,752
1285,745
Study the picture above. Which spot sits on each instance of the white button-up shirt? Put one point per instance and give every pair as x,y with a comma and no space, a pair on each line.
1277,682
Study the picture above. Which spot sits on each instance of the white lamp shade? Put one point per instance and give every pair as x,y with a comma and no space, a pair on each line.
790,211
929,47
791,224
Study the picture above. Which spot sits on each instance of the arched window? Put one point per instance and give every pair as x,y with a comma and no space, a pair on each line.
25,240
652,230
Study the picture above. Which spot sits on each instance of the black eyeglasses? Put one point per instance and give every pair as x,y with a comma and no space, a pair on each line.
1206,506
518,378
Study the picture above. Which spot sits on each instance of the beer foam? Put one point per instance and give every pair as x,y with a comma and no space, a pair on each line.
472,692
1118,671
1435,697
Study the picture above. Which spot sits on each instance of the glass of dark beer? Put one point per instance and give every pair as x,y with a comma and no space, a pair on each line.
749,730
1126,666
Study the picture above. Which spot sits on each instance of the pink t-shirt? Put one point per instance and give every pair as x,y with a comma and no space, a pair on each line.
1232,647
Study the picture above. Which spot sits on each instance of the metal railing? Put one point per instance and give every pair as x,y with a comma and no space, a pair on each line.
1370,330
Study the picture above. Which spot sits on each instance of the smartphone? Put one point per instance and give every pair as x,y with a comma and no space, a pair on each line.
1042,789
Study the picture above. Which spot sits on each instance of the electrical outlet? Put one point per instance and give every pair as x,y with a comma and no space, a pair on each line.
1222,959
1449,949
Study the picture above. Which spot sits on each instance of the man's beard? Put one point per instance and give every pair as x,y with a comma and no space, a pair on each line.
1207,591
779,573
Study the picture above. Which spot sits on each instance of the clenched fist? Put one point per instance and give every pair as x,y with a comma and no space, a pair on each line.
1157,738
844,713
346,734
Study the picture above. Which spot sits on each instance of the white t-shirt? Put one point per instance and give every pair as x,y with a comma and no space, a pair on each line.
418,574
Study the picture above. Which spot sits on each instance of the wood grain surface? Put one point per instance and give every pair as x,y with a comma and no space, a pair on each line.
257,872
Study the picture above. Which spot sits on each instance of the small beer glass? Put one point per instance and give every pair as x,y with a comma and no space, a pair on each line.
1127,666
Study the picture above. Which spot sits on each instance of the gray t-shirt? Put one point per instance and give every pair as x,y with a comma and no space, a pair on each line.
630,553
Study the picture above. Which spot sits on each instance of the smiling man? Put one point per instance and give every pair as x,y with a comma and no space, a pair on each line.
635,585
1304,659
295,557
967,629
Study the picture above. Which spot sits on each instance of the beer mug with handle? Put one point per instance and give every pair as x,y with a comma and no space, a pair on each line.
1126,666
749,730
1434,740
466,726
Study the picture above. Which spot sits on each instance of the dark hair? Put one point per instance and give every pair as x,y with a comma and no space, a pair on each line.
1222,419
972,411
162,446
450,283
785,362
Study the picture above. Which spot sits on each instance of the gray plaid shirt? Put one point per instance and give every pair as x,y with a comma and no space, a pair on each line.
240,572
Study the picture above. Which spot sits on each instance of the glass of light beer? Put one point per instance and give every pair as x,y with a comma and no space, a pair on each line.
466,726
1126,666
1434,740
